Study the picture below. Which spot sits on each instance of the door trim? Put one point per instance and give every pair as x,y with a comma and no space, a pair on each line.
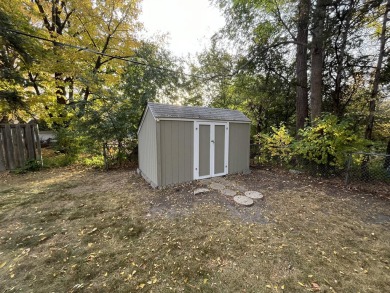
212,148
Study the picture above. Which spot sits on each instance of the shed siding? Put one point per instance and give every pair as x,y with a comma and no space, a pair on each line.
239,134
147,141
176,151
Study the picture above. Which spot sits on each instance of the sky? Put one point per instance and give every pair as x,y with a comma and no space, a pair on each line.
189,23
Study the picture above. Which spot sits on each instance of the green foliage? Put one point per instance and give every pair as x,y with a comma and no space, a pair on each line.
59,160
30,166
68,142
328,141
278,144
48,81
94,161
114,116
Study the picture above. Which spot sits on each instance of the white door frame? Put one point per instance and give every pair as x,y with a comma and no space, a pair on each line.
212,148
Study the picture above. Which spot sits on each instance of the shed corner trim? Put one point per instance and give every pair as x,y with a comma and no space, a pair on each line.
143,117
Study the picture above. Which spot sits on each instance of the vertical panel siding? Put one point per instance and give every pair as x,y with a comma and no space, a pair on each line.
238,147
147,148
177,151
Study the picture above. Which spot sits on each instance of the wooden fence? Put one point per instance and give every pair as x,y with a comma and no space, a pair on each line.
19,143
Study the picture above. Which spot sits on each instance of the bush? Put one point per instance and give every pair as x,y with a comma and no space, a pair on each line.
68,142
277,145
30,166
327,142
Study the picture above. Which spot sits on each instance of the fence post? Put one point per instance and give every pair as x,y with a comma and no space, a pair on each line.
105,156
3,165
349,163
37,144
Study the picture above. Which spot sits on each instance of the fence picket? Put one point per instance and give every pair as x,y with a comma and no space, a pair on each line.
37,145
18,143
15,144
30,143
2,151
9,149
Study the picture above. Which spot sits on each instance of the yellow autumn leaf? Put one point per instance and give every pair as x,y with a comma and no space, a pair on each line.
205,281
303,285
141,285
282,287
3,264
268,286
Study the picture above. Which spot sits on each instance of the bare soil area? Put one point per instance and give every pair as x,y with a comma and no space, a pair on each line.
80,230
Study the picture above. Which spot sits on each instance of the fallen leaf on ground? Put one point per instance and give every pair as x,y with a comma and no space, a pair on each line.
315,287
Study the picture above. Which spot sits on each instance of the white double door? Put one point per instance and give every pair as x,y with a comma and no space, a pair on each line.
211,143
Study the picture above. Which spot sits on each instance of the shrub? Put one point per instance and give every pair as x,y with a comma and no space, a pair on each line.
277,145
30,166
327,142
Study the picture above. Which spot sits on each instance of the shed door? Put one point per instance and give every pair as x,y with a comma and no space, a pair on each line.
211,141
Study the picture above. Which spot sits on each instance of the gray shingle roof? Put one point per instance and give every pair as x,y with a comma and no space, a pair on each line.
189,112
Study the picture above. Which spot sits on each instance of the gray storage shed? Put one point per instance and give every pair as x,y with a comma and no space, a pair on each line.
181,143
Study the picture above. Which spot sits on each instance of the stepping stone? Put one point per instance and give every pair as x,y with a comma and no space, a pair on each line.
243,200
219,179
254,194
292,171
201,190
206,181
217,186
228,192
240,188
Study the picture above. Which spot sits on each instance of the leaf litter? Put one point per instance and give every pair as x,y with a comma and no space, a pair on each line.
105,231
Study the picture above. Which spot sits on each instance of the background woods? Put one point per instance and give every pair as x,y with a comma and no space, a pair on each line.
83,69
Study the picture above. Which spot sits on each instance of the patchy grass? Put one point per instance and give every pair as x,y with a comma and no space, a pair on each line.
77,230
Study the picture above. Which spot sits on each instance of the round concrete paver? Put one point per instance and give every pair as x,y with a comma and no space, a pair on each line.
228,192
254,194
243,200
217,186
201,190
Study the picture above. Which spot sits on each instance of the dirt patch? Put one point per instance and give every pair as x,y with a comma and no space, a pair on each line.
180,201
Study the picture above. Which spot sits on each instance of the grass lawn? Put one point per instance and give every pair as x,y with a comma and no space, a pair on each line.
79,230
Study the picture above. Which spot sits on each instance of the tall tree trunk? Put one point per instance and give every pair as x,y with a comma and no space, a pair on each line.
53,22
377,76
302,103
317,58
343,33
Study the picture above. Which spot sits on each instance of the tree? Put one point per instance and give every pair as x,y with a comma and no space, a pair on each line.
302,107
74,75
317,57
377,75
114,117
17,54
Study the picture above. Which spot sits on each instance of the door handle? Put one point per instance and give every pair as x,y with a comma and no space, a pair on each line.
212,141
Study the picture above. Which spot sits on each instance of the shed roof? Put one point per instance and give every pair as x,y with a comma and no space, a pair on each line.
190,112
